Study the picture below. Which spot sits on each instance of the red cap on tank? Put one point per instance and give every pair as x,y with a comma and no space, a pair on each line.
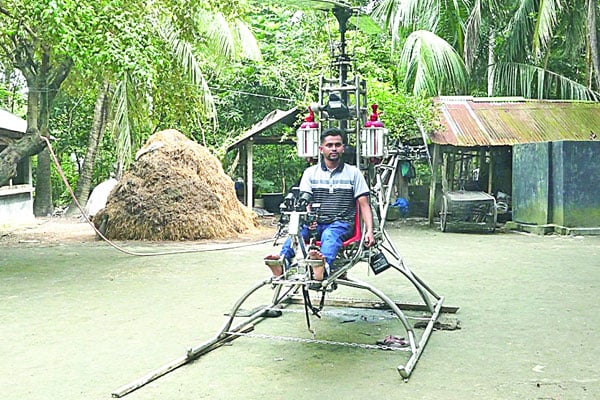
309,121
374,121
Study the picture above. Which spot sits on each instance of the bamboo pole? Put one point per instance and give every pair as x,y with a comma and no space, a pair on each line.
178,362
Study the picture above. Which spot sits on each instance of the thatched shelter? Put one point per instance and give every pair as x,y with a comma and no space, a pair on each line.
175,190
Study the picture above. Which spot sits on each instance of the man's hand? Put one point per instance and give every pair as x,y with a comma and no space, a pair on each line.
367,217
369,238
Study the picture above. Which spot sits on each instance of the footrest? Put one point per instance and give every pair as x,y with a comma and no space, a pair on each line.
315,263
273,262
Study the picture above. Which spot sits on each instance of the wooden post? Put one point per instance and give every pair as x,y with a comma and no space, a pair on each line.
433,186
449,168
250,173
244,172
490,172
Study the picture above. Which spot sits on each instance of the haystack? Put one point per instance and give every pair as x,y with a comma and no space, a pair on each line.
175,190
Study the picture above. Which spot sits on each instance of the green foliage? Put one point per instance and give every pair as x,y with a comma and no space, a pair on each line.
536,82
526,37
278,168
71,124
431,65
12,84
179,62
293,57
98,34
402,112
60,194
293,48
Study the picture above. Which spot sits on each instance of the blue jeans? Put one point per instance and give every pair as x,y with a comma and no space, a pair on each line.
331,236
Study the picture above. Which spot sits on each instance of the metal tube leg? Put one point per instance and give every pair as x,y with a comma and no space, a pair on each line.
225,335
239,303
363,285
406,370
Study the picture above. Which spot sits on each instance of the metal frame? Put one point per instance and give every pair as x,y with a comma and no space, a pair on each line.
297,278
298,275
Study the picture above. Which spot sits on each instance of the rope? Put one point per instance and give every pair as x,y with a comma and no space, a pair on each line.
116,246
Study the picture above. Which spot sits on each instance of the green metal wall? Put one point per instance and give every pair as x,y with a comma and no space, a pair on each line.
557,183
530,181
576,189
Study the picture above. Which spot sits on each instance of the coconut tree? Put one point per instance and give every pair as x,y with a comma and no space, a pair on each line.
217,37
530,62
430,32
520,43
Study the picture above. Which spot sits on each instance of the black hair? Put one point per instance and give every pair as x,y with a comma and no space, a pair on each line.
333,132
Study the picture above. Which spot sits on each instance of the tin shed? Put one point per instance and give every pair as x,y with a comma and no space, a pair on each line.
16,198
474,147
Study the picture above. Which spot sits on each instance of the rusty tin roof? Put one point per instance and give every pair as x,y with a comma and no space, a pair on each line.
471,121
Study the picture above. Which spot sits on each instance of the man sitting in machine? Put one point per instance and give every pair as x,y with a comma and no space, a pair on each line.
338,188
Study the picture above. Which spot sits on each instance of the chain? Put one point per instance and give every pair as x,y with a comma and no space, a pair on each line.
318,341
322,312
348,299
298,311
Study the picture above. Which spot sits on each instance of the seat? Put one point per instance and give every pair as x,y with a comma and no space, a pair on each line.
356,236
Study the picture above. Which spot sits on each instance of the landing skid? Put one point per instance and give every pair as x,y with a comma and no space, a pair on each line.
287,291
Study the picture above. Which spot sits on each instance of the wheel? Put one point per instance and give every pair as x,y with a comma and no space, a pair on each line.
444,214
495,217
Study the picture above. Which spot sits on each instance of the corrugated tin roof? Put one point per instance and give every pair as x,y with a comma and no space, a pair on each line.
10,122
470,121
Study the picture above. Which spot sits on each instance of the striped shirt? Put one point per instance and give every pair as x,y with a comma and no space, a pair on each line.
335,190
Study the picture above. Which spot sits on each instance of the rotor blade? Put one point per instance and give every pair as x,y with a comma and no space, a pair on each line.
325,5
328,4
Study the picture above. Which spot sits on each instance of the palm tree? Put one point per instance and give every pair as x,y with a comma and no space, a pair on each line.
520,44
429,63
528,62
132,100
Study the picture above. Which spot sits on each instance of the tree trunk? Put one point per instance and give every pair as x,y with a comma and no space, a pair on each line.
491,63
42,203
82,192
29,144
43,82
9,158
593,40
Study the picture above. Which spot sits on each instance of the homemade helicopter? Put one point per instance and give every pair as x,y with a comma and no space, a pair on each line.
342,103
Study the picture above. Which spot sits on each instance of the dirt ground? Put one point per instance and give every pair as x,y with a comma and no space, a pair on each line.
61,230
80,318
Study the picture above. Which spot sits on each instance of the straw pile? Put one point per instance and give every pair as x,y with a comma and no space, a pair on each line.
176,190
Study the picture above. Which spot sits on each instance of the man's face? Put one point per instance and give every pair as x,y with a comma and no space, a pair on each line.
332,148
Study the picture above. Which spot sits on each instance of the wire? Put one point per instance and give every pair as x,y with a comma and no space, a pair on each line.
254,94
218,89
114,245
